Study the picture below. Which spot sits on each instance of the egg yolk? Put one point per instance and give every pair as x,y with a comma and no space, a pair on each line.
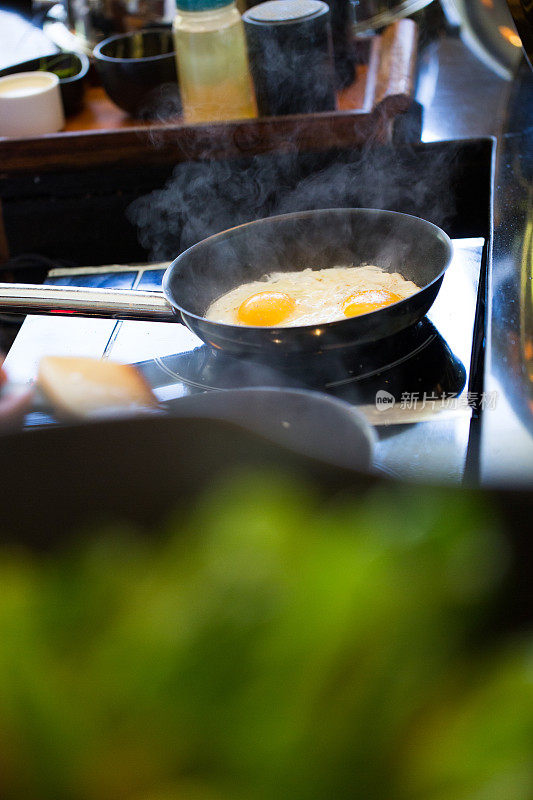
368,300
265,308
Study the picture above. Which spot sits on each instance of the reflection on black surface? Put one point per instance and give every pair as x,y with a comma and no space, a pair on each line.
416,361
511,331
102,280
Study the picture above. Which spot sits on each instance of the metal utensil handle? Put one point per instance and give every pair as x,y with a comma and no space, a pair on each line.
79,301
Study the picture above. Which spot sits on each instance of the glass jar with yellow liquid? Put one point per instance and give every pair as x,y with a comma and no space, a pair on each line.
212,59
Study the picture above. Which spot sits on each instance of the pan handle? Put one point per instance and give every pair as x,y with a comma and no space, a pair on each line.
79,301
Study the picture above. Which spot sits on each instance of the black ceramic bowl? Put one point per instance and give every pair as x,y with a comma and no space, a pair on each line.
70,68
138,72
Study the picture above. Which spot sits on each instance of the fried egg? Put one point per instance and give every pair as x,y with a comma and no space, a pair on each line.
310,297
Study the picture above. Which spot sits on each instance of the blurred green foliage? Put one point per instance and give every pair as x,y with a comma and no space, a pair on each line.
267,646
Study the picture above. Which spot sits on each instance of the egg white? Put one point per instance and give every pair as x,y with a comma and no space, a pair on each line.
318,293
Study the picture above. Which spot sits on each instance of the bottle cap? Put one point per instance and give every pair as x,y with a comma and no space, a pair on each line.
285,11
201,5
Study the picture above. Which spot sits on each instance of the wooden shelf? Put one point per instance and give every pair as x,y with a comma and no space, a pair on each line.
99,113
102,134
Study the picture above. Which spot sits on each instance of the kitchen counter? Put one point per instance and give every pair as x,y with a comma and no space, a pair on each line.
424,436
460,95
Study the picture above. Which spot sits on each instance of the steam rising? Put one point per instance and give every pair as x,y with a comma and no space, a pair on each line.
162,103
205,197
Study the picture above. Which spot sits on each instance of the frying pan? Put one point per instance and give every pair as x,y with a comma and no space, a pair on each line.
324,238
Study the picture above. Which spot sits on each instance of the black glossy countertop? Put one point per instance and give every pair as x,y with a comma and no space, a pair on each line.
464,94
507,433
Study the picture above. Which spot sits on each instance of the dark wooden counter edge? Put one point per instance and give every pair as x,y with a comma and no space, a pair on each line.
163,144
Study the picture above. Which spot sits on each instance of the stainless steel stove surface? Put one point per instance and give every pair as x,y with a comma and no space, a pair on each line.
418,389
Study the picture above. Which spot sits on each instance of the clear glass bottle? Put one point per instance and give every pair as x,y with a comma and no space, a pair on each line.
212,60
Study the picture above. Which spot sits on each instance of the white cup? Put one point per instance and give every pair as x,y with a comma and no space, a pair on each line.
30,104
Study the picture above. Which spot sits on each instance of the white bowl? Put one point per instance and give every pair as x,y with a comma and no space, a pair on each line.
30,104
